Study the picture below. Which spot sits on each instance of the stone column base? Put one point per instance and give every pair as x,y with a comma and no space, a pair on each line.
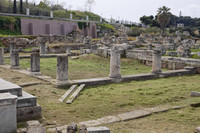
116,76
62,83
14,67
35,73
156,72
116,80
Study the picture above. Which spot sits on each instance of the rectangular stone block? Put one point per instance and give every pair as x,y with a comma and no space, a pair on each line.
6,86
26,100
133,115
8,118
28,113
98,130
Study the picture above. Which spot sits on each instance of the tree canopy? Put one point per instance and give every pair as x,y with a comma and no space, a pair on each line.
164,17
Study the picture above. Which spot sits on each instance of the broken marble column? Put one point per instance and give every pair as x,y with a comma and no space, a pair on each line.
12,46
2,56
14,59
150,47
8,113
69,51
42,48
115,62
35,62
156,64
62,70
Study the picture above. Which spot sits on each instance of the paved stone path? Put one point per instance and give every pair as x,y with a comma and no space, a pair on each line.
136,114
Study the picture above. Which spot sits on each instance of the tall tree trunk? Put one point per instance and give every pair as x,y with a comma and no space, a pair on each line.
21,6
15,6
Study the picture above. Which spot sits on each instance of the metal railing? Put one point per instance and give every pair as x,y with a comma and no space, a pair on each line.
46,14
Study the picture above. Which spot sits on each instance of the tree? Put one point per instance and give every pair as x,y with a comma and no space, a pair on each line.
44,4
164,17
147,20
15,6
21,6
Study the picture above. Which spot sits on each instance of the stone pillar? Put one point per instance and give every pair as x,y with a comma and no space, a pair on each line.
31,29
27,11
68,51
150,47
115,61
156,64
35,62
62,70
101,20
51,14
87,18
2,56
71,16
48,29
12,46
8,113
62,29
14,58
42,48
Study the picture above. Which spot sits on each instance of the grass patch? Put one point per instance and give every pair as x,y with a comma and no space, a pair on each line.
195,50
96,102
88,66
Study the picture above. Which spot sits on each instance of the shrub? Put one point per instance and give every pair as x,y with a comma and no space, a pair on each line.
135,31
106,26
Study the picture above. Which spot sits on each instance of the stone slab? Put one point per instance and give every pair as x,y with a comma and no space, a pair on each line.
26,100
30,84
6,86
75,94
32,123
158,109
98,130
90,123
67,93
133,115
109,119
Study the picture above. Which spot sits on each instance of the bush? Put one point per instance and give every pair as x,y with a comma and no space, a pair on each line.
135,31
106,26
154,30
9,25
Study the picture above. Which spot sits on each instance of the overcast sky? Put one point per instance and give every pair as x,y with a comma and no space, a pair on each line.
132,10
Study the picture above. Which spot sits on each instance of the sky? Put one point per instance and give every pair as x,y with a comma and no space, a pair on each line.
132,10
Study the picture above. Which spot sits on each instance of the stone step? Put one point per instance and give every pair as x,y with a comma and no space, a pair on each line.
26,100
6,86
75,94
67,93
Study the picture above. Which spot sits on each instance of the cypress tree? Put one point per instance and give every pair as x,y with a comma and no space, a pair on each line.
21,6
15,6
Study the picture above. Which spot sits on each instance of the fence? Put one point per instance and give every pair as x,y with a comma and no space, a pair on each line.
36,12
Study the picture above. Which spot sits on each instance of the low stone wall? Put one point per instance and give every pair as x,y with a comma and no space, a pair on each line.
140,54
62,49
172,63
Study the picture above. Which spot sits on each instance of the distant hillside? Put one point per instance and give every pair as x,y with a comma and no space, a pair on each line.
11,25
